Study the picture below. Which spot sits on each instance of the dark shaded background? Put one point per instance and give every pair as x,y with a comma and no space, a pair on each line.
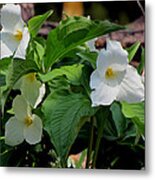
121,12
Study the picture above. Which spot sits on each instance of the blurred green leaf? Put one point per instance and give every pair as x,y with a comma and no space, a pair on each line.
132,50
4,64
142,62
2,80
35,23
82,159
136,113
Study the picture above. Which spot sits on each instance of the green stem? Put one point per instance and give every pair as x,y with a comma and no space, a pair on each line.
99,137
89,152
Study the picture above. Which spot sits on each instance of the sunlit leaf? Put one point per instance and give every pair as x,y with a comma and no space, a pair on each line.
73,73
35,23
72,32
136,113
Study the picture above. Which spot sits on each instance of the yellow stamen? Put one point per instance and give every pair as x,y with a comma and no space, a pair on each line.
28,121
110,74
18,35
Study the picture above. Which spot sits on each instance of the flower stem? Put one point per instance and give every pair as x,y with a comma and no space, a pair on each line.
99,137
89,152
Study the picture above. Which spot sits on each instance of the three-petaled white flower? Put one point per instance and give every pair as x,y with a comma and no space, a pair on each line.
14,35
24,125
114,78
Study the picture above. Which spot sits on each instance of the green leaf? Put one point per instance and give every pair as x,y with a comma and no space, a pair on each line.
4,64
85,79
104,119
64,116
2,80
142,62
15,71
72,32
118,118
5,153
73,73
35,23
18,68
90,57
132,50
36,50
136,113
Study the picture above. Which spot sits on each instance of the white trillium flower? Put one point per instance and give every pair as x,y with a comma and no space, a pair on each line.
32,89
24,125
114,78
14,35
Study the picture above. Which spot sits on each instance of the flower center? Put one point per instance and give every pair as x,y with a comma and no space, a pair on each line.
28,121
31,76
18,35
110,73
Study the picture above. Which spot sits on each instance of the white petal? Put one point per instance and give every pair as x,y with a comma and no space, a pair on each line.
41,95
10,42
113,45
131,88
11,17
104,95
112,56
4,51
21,51
21,108
33,132
95,80
30,88
143,79
91,45
14,132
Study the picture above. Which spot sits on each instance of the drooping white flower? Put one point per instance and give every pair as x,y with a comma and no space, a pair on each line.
24,125
32,89
114,78
14,36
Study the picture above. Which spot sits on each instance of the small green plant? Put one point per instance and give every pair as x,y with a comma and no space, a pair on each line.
61,96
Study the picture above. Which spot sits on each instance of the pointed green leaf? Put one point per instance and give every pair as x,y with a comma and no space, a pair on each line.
136,113
142,62
90,57
72,32
73,73
118,118
64,116
18,68
35,23
132,50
